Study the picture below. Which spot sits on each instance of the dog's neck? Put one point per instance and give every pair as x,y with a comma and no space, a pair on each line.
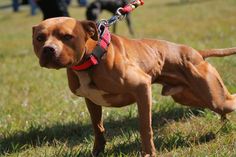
95,49
89,46
91,56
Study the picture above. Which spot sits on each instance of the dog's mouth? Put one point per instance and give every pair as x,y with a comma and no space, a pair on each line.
51,65
51,62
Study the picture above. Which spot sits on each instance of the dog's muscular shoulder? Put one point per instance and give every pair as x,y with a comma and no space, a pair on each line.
82,84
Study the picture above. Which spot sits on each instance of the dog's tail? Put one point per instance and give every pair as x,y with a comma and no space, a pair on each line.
218,52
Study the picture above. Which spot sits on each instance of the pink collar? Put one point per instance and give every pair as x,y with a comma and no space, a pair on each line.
87,64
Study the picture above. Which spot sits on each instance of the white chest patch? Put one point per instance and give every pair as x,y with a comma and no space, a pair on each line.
93,94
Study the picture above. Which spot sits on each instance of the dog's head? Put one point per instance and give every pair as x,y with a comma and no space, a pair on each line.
60,42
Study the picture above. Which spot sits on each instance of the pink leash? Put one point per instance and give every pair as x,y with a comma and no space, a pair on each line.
105,36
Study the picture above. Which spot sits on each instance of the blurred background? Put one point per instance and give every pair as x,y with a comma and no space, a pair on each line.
40,117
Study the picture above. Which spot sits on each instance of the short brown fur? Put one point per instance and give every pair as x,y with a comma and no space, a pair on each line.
126,72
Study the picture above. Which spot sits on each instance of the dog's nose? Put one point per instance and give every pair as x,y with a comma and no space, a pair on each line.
48,55
49,51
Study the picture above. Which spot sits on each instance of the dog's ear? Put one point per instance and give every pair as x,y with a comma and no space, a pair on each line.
33,29
91,29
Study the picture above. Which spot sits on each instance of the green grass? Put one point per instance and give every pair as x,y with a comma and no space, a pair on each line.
40,117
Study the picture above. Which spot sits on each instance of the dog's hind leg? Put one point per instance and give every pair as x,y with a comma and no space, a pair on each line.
187,97
171,90
207,86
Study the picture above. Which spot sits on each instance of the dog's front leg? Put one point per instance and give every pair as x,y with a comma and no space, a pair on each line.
95,112
144,102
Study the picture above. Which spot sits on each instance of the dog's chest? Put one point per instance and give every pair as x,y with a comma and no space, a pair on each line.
88,91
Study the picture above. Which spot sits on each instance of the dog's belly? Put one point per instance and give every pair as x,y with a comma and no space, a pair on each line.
88,91
94,95
102,98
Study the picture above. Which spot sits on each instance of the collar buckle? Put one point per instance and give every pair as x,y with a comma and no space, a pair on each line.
93,60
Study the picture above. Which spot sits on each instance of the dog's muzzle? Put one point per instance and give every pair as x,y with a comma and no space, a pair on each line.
49,57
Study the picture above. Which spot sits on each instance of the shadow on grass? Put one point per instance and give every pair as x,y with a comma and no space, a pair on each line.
74,134
38,136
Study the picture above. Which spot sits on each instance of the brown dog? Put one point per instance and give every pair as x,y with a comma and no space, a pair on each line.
126,72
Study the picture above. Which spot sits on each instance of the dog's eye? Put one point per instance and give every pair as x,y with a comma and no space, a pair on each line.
67,37
41,38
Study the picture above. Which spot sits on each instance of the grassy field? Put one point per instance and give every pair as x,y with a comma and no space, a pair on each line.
40,117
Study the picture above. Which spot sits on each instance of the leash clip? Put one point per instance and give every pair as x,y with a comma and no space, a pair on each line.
101,25
119,14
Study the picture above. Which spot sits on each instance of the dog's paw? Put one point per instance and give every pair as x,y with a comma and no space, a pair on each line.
98,151
99,146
